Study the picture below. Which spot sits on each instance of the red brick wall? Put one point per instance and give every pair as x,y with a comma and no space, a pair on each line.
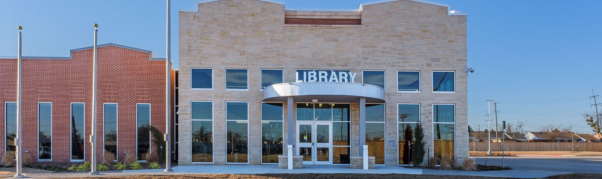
125,77
310,21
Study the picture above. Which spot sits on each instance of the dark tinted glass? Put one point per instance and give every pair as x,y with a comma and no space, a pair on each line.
271,111
340,133
11,126
271,140
202,141
236,79
110,128
374,78
270,77
375,112
375,139
323,112
443,113
45,131
202,110
408,113
237,149
408,81
77,131
237,111
341,112
341,155
202,78
443,81
143,123
305,111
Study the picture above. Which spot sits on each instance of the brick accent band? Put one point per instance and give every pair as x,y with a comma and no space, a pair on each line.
311,21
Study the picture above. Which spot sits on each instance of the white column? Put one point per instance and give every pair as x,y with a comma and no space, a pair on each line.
365,157
290,128
167,97
290,157
18,138
94,80
362,125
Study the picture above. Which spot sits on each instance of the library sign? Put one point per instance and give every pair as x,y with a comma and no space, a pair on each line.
325,76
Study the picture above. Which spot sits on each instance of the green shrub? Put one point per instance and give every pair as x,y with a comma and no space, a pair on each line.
136,166
154,165
72,168
120,166
83,167
418,148
101,167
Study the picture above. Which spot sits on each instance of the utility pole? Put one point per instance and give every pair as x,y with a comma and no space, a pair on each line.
596,105
496,129
489,127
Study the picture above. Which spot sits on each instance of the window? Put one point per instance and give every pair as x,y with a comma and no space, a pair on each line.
202,79
202,132
340,134
375,131
272,115
10,116
236,79
110,128
45,131
443,129
237,132
143,112
408,81
408,117
270,77
374,78
77,131
443,82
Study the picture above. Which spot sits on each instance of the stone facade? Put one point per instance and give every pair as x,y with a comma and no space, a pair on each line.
393,36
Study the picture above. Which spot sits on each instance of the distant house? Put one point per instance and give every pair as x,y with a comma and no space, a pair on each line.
481,136
587,138
553,137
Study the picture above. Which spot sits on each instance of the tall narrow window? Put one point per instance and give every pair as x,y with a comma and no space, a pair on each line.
408,81
443,82
236,79
77,131
340,134
270,77
375,131
110,128
45,131
10,116
374,78
272,115
408,117
202,79
143,117
237,118
443,129
202,132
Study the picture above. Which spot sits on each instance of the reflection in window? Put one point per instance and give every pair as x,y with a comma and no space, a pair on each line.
375,139
143,129
237,132
375,112
110,128
202,131
408,116
270,77
408,113
443,81
271,132
443,129
45,131
323,112
272,111
11,127
236,79
202,78
341,112
340,134
77,131
408,81
443,113
305,111
374,78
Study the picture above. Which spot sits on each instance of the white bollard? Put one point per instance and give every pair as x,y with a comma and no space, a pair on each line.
290,157
365,157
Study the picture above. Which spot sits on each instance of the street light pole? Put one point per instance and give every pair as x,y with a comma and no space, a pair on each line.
489,127
94,82
18,147
167,96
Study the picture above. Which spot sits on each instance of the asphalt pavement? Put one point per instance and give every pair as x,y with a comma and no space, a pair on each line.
579,164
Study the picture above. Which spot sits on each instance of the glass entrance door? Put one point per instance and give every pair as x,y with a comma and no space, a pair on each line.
315,142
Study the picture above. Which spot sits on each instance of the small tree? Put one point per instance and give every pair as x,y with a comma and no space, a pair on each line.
418,149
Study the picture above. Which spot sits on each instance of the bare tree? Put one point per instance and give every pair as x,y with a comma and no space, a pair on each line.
509,128
520,127
551,132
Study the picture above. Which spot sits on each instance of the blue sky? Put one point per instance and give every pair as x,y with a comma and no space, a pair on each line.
539,59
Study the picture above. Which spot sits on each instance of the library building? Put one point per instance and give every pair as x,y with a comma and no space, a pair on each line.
255,78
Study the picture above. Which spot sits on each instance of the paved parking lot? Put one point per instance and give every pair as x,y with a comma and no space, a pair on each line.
588,164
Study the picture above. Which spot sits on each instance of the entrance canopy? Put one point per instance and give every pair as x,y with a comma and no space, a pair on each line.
324,91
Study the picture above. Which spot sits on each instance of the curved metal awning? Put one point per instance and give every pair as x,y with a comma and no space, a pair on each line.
324,92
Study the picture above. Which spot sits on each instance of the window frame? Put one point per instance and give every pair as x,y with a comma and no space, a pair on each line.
261,76
116,128
432,143
248,131
384,78
38,129
261,126
71,133
226,79
212,132
150,137
397,126
212,78
433,84
384,129
5,119
419,81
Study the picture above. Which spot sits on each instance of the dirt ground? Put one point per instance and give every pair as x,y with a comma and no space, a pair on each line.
11,170
511,153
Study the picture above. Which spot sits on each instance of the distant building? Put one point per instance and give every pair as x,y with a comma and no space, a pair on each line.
560,137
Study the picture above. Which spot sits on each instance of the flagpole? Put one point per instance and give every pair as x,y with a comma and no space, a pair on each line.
167,95
18,138
93,135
